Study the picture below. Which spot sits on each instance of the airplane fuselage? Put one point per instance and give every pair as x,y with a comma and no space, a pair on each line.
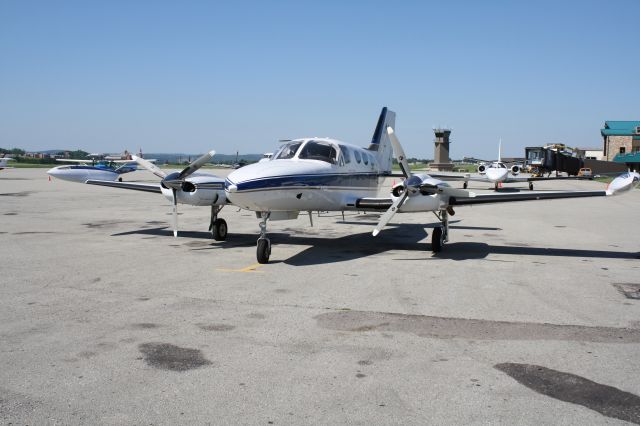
307,182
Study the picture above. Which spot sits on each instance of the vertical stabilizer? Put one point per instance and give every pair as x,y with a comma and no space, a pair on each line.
500,151
380,142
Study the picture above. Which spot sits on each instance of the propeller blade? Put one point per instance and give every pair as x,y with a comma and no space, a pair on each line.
175,213
399,153
196,165
149,166
386,217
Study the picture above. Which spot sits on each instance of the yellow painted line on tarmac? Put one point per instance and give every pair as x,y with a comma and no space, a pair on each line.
250,268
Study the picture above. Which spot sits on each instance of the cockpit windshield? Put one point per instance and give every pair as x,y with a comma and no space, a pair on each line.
316,150
287,151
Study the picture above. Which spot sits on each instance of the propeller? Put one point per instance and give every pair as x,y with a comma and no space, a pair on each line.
412,185
175,180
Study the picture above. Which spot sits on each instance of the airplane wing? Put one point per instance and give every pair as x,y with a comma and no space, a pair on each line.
69,160
535,179
523,196
136,186
385,203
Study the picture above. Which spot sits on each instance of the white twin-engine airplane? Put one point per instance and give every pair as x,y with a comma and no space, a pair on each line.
3,163
329,175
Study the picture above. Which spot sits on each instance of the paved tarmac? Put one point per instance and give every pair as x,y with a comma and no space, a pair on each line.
105,318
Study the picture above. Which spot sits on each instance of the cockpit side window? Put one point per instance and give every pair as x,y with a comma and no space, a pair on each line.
287,151
345,154
314,150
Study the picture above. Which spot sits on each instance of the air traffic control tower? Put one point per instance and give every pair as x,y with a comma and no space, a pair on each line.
441,160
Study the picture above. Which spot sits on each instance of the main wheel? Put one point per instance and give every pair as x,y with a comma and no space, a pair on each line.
464,185
530,186
436,240
496,186
264,250
219,230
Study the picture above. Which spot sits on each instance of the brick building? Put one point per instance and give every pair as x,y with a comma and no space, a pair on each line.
620,137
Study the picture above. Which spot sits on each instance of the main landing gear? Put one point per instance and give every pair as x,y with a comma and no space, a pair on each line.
440,234
530,186
464,185
264,244
218,227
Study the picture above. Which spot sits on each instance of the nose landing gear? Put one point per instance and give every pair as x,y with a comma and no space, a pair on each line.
264,244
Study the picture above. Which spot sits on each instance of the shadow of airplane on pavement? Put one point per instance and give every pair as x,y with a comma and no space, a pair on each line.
407,237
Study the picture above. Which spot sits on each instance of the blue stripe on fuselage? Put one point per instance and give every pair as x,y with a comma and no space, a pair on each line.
356,180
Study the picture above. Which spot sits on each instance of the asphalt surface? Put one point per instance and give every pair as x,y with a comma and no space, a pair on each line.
105,318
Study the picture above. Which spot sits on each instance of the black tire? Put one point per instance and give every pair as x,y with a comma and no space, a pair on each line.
436,240
219,230
530,186
263,251
464,185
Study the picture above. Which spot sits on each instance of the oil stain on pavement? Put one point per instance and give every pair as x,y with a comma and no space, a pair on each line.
170,357
606,400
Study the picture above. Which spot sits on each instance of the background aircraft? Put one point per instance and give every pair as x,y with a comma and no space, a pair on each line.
3,163
497,173
82,170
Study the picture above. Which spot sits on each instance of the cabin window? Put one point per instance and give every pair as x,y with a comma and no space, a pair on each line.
345,154
287,151
356,154
323,151
365,158
372,160
638,130
622,150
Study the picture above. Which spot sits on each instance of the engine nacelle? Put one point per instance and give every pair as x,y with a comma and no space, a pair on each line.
482,169
515,169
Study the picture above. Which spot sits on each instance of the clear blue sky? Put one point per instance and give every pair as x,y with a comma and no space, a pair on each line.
189,76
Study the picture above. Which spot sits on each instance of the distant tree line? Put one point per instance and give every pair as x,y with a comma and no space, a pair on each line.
21,156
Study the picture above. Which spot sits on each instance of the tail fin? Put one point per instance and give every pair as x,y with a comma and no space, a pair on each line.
381,142
500,151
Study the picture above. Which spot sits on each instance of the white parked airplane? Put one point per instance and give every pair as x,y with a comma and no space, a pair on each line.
329,175
83,170
497,173
3,163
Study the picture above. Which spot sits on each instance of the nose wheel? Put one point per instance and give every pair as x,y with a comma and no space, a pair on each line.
264,244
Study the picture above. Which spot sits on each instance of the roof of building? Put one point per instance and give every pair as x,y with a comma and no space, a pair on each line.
632,157
620,128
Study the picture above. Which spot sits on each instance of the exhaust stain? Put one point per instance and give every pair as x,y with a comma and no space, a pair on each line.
34,232
256,315
165,356
216,327
11,214
461,328
606,400
144,325
15,194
